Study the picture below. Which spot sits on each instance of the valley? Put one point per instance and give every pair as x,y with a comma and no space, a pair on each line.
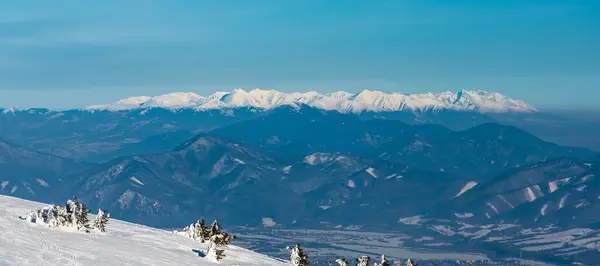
294,167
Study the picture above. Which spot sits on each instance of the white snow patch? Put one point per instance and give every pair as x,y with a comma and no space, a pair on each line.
543,210
351,184
497,238
318,158
287,169
543,247
371,171
531,193
443,230
425,238
502,227
477,234
239,161
556,184
467,187
413,220
123,244
390,176
442,244
42,182
506,201
561,204
492,207
134,179
585,178
268,222
464,215
552,186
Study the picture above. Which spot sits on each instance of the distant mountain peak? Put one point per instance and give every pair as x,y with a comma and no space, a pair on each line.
365,100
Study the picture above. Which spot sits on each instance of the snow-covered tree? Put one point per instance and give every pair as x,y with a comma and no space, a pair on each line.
342,262
410,262
57,216
384,262
215,228
214,252
78,214
101,220
220,237
363,261
298,258
200,230
73,214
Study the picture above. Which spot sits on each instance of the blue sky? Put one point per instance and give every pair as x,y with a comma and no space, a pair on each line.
62,54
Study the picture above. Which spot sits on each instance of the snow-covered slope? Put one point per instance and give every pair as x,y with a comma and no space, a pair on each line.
24,243
481,101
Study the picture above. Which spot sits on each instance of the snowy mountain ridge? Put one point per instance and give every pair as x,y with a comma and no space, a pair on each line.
25,243
344,102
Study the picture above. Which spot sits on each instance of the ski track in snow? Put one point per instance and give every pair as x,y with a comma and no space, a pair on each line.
24,243
466,188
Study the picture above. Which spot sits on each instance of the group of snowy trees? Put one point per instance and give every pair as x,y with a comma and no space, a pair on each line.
214,235
298,258
73,215
366,261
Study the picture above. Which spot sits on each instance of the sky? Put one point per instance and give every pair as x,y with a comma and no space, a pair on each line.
67,54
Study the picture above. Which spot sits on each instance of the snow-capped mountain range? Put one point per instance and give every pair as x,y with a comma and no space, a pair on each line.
366,100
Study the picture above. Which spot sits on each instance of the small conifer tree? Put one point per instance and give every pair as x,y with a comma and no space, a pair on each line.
215,228
78,214
214,252
384,261
364,261
342,262
101,220
298,258
200,231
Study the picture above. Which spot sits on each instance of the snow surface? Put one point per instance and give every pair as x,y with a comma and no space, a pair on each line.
24,243
366,100
466,188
